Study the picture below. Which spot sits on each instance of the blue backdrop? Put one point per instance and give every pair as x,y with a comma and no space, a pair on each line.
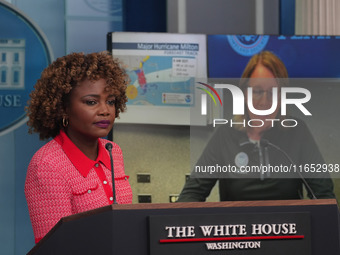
24,53
304,56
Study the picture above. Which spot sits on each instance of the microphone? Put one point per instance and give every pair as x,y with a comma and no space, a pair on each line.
266,143
257,147
108,146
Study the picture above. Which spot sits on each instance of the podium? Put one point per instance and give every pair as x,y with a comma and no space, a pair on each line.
131,229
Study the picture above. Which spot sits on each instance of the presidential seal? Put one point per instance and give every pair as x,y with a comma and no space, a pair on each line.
248,45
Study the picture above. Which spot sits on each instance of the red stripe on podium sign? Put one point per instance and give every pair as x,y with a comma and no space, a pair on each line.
210,239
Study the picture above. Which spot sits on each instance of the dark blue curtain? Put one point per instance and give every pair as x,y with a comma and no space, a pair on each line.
287,17
144,16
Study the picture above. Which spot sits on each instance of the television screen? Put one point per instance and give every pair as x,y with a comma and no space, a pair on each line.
312,63
304,56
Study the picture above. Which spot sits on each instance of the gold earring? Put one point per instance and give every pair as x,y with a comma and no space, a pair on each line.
65,122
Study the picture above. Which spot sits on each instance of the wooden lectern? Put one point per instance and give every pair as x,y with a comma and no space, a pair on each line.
125,229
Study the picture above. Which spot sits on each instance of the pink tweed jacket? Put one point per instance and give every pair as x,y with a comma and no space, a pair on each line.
62,181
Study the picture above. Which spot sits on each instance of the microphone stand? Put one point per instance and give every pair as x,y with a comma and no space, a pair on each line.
266,143
108,146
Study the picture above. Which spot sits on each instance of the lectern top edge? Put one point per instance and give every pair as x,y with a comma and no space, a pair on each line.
305,202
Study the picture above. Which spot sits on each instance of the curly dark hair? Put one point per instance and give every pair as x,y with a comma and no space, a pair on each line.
48,100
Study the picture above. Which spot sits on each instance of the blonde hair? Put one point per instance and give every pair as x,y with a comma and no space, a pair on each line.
273,63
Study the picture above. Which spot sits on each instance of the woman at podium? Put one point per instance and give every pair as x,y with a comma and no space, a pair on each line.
260,157
75,103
